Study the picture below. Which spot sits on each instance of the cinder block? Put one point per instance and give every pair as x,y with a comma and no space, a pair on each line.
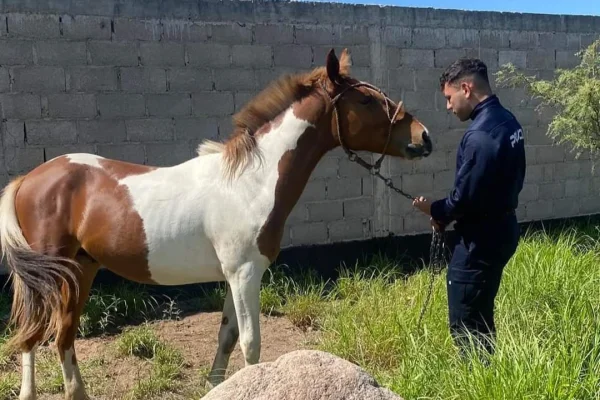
523,40
539,210
554,190
349,168
169,105
143,79
344,188
589,205
274,34
56,151
416,101
429,38
550,154
402,79
325,210
13,134
461,38
208,54
185,31
19,160
566,59
213,104
349,229
552,40
573,41
166,54
142,130
67,105
314,34
225,127
101,131
417,58
437,161
587,39
354,35
51,132
91,79
167,154
517,57
488,56
60,53
231,33
82,27
38,79
126,29
298,56
308,233
234,79
196,129
33,25
494,39
416,223
443,180
578,187
327,167
126,152
397,36
121,105
445,57
113,53
541,59
315,190
362,207
4,80
417,184
16,52
189,79
240,99
530,192
563,208
252,56
20,106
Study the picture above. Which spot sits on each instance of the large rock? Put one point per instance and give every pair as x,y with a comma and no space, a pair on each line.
301,375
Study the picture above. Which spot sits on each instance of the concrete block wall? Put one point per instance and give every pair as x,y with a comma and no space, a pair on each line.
147,81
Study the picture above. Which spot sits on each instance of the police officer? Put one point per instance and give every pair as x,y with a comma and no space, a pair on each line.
490,169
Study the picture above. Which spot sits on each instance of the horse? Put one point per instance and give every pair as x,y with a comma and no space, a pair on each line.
218,216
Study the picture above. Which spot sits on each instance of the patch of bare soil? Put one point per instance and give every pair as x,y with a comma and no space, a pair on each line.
109,376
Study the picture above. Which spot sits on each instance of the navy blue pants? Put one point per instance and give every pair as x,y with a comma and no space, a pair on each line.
474,275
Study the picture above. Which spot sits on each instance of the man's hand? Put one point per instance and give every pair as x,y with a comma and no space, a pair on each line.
423,204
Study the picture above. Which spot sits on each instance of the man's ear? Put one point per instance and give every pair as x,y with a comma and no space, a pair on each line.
333,67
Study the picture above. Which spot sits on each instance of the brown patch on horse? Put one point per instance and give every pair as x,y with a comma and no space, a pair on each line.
89,210
311,147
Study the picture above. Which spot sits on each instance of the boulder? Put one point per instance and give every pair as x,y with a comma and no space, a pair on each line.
301,375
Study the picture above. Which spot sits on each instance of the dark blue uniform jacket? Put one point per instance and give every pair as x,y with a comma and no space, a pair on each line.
490,167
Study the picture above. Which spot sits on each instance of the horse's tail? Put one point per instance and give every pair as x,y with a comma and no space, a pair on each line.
39,281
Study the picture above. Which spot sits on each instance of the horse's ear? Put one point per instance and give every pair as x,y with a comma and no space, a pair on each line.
345,62
333,67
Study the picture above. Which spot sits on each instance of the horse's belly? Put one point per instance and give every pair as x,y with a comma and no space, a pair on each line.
183,260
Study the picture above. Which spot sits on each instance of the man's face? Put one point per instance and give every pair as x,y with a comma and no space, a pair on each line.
457,99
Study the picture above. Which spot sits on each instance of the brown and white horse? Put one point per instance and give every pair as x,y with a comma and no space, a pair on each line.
217,217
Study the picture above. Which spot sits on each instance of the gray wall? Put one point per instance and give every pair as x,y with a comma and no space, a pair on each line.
147,82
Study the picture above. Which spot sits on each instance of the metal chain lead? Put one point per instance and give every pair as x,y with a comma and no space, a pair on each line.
438,240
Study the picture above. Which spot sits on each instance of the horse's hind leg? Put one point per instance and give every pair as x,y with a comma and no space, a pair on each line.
65,341
28,389
228,337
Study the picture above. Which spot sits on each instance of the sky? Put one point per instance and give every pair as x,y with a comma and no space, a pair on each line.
572,7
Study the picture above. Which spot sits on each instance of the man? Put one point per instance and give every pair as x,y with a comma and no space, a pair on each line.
490,169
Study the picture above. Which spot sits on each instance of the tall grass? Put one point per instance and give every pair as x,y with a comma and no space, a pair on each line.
548,316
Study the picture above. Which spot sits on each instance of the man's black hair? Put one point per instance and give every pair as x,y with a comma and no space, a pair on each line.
462,68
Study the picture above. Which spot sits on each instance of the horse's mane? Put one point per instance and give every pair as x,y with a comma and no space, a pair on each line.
264,107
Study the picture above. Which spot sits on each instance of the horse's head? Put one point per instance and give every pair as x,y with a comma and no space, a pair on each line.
367,120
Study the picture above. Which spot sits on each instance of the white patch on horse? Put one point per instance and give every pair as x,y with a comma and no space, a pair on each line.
72,377
85,159
196,223
28,390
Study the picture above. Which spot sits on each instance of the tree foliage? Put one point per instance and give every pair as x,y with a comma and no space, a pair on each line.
573,95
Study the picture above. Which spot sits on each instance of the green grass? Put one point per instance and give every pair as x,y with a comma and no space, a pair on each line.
548,315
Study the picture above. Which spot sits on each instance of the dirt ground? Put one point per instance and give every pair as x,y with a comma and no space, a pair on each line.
109,376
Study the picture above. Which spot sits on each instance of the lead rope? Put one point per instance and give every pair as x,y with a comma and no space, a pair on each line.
438,240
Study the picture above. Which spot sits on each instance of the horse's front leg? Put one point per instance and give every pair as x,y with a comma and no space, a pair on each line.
228,337
245,289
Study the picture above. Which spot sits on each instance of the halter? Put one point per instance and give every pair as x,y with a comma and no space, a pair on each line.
438,241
